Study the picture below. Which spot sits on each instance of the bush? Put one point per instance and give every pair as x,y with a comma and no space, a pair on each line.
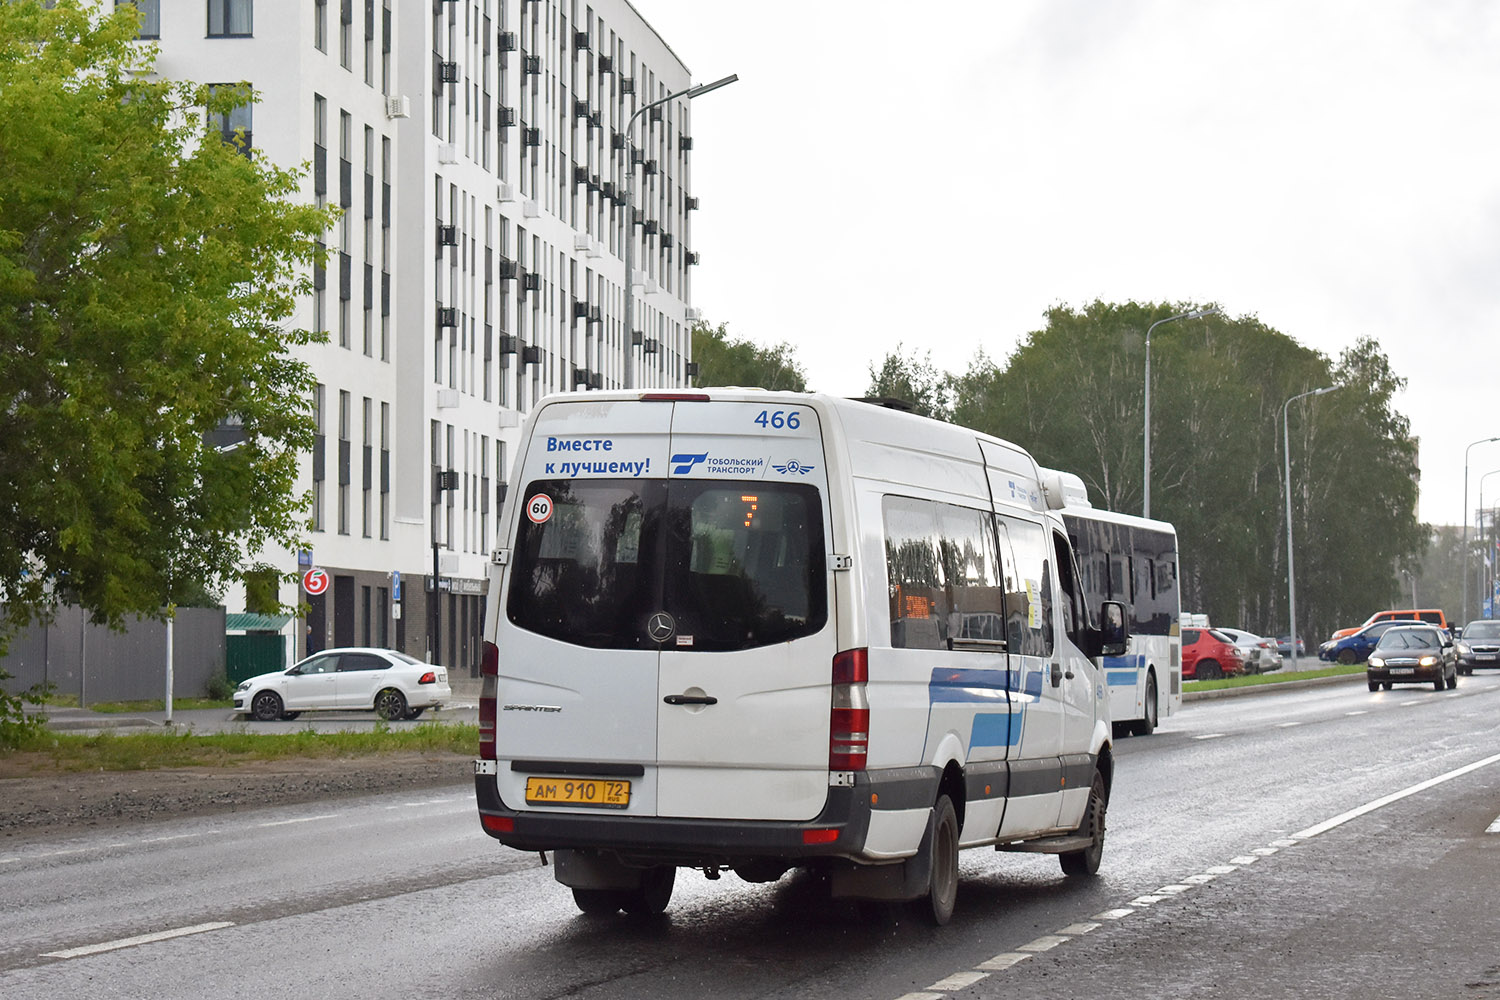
220,687
16,724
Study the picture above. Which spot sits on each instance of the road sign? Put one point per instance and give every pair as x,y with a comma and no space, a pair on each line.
315,581
304,558
396,584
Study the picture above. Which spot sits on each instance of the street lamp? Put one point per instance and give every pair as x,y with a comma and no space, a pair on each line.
1146,473
1484,542
690,93
1464,614
1291,574
1413,579
445,479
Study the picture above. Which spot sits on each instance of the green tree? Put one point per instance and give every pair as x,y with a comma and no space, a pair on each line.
915,380
723,360
148,271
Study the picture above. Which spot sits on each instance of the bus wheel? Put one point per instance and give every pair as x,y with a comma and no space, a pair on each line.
942,891
1086,861
1147,725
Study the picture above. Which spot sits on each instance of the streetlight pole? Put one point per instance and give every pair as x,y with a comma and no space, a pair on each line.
1291,573
1410,576
1484,544
1464,614
690,93
1146,471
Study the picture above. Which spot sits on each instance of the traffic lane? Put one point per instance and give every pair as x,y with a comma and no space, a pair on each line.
1397,902
1005,901
243,867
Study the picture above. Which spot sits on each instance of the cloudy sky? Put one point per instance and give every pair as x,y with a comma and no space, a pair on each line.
890,173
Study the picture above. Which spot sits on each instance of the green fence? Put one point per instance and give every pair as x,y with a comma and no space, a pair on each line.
252,653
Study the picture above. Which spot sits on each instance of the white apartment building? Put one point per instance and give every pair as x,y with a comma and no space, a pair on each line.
478,151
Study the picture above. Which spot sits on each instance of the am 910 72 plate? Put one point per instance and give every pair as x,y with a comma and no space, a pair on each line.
602,793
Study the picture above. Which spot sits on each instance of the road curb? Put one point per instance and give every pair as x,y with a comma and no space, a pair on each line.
1235,692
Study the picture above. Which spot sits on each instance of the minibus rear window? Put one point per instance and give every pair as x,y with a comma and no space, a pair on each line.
736,565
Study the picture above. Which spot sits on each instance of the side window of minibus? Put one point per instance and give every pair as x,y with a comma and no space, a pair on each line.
1073,610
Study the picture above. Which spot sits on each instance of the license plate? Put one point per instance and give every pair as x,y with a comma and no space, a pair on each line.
1485,657
604,793
1402,670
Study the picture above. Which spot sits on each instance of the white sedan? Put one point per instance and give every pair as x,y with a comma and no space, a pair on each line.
394,685
1260,653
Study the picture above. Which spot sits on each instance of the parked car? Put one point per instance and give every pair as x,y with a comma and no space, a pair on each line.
1432,616
1208,654
1413,654
392,684
1478,645
1358,646
1284,645
1259,653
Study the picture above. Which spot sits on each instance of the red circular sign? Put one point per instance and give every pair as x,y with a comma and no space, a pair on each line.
315,581
539,508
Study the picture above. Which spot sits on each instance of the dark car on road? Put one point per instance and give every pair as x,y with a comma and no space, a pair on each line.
1479,646
1357,647
1413,654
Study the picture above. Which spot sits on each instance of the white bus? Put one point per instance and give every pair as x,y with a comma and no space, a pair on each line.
1132,560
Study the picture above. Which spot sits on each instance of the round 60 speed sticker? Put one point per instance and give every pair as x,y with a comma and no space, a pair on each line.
539,508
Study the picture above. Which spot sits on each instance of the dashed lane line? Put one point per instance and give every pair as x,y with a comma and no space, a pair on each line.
941,989
131,942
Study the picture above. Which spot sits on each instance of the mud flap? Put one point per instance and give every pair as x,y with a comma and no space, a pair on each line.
902,880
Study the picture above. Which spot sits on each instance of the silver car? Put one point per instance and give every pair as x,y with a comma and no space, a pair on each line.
1259,653
350,679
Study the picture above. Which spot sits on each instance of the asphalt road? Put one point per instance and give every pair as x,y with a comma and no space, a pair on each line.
1328,842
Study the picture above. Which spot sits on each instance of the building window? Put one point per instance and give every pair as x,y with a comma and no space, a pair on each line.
344,459
234,127
320,26
150,16
230,18
317,458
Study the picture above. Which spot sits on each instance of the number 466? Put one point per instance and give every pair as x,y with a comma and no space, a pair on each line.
778,419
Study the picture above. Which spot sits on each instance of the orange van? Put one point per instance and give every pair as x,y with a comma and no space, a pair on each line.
1432,616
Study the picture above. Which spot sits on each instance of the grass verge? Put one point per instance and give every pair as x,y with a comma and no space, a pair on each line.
150,750
1277,677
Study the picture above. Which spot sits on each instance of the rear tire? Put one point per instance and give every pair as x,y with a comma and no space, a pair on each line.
413,713
1147,725
390,704
1077,864
1208,670
598,902
654,894
942,891
289,716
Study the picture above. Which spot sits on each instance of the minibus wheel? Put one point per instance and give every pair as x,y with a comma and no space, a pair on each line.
1086,861
942,891
654,893
598,902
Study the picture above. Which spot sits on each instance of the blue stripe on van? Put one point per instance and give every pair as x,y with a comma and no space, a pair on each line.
949,685
991,730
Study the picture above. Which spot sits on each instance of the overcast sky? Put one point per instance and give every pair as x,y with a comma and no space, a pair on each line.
940,175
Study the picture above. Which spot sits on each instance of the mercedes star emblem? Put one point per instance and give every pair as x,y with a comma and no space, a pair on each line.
660,627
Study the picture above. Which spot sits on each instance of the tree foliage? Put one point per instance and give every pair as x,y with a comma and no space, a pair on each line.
913,379
724,360
148,272
1072,393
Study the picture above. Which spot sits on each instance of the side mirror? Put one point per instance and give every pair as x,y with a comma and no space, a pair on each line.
1114,633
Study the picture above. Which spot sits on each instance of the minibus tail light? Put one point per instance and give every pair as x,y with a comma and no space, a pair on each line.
849,719
489,669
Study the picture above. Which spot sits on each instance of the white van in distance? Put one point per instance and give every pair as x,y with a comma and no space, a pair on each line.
738,630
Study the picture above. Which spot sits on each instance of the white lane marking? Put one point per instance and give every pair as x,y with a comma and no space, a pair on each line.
1073,930
1493,827
1284,843
1147,900
1172,890
1004,960
130,942
959,980
1386,800
921,996
1117,914
1265,852
1221,870
300,819
1210,736
163,840
1287,725
1363,711
1244,859
1419,701
1044,943
1202,879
